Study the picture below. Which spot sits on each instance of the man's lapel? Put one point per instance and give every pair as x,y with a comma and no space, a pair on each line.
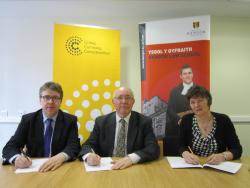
111,133
132,132
39,129
57,130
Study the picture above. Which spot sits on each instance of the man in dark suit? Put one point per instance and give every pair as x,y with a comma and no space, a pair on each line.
32,133
178,106
138,144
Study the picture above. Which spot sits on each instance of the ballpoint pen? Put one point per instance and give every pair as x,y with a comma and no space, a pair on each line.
24,154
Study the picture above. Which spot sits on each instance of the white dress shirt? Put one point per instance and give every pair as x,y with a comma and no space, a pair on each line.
133,156
186,87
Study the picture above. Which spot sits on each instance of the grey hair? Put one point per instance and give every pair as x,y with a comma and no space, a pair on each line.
123,88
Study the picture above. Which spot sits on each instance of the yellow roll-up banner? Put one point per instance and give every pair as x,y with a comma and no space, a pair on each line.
87,65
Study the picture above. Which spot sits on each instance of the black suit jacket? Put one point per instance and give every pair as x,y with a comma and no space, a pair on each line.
140,139
30,132
177,103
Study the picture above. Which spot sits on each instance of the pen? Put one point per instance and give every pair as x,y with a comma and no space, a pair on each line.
190,150
24,154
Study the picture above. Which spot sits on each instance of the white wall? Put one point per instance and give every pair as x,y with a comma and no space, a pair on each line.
6,130
230,65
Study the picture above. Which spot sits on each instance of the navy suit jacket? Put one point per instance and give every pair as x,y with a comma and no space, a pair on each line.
30,133
140,139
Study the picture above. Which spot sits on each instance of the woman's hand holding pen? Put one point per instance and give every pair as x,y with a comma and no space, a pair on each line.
190,157
23,161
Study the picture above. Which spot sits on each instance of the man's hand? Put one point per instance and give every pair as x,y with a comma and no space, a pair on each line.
23,162
190,158
93,159
53,163
121,163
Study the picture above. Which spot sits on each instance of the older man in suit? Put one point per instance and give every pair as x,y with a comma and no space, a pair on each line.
125,133
48,132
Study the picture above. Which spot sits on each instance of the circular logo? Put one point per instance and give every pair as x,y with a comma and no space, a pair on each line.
73,45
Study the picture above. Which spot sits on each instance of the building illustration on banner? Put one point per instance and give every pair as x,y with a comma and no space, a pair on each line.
156,108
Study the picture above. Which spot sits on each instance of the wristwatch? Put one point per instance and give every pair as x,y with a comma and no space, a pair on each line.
224,155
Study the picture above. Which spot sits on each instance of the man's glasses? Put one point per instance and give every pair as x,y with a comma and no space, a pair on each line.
126,98
47,98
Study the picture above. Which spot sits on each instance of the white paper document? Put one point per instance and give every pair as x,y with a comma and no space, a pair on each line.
104,165
179,162
36,164
226,166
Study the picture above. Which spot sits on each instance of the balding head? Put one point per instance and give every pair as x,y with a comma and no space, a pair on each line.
123,90
123,101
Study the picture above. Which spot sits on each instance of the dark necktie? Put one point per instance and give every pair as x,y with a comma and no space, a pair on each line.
121,138
47,137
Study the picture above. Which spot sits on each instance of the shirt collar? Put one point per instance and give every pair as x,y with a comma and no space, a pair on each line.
188,85
45,117
126,118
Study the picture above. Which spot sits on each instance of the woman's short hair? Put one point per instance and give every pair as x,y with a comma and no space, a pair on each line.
199,91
